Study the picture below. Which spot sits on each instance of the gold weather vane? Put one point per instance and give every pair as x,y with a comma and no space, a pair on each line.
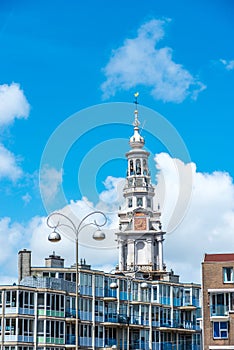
136,101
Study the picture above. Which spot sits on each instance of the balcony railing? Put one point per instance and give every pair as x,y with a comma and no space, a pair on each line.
99,292
110,293
173,346
165,300
85,290
49,282
186,302
70,339
176,324
218,310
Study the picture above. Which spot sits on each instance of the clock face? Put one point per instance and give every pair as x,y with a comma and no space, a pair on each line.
140,223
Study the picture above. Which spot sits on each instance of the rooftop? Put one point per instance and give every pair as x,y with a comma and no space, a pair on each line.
219,257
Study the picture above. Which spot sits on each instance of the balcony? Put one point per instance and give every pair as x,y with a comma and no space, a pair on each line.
170,346
182,325
110,294
99,292
218,310
49,282
70,339
70,313
165,300
26,311
85,315
85,290
111,317
83,341
134,345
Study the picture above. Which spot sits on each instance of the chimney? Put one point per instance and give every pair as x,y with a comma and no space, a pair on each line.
54,261
24,264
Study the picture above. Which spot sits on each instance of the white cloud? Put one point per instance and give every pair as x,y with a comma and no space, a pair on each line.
140,61
9,165
13,103
207,225
26,198
228,64
174,189
50,180
12,234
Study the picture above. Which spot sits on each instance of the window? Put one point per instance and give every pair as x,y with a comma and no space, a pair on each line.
10,298
40,300
219,304
54,329
139,201
155,293
130,202
25,327
144,167
40,328
131,167
138,167
26,299
134,291
220,330
187,299
228,274
99,308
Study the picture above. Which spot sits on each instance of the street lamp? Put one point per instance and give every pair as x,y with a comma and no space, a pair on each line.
56,237
114,285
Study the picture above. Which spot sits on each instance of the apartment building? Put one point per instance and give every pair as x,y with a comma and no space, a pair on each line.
218,301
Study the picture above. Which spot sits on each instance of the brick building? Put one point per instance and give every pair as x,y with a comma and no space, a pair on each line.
218,301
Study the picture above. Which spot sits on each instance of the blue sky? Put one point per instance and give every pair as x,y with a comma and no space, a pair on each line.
58,58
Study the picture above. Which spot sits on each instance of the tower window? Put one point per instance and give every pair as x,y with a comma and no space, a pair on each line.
131,169
130,202
144,167
139,202
148,202
138,167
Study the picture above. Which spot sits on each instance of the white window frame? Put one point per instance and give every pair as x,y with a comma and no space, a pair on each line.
220,330
226,278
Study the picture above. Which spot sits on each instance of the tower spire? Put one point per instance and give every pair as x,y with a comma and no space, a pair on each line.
140,237
136,141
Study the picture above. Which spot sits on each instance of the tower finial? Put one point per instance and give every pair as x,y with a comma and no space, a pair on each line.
136,96
136,121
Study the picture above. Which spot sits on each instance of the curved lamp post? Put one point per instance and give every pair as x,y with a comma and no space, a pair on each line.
56,237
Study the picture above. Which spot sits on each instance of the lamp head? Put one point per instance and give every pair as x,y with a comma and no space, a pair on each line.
54,236
144,285
113,285
99,235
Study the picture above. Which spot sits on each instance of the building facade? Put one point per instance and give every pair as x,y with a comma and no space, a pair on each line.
140,305
218,301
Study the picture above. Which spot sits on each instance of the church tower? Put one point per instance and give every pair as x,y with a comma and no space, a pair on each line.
140,237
